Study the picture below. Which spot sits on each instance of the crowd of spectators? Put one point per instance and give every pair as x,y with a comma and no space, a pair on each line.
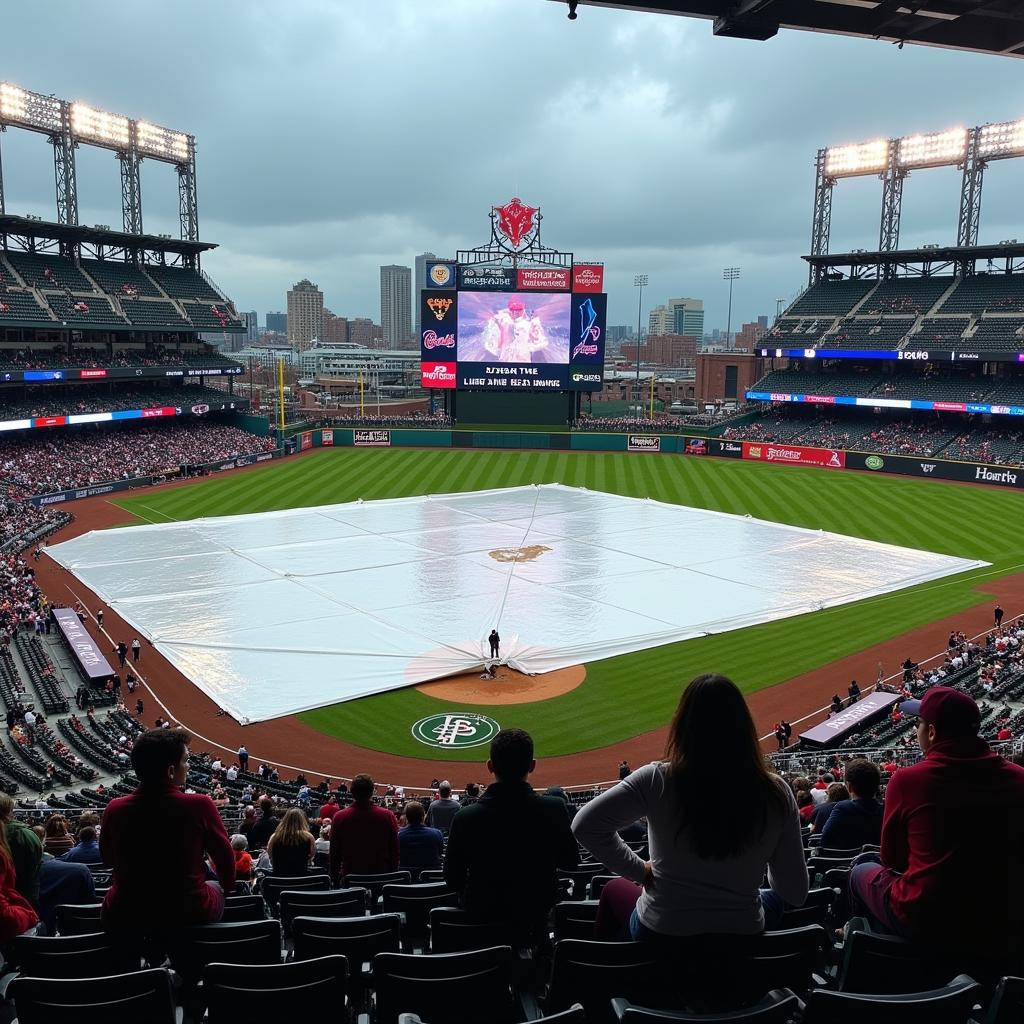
22,523
61,461
72,400
663,423
417,420
59,357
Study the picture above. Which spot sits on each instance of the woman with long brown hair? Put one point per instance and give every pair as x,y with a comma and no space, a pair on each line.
58,838
292,847
716,818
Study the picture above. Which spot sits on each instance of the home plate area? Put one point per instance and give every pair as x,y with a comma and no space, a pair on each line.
280,612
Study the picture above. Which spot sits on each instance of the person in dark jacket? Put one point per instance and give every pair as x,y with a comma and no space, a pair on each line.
505,850
837,793
419,846
949,874
857,820
86,850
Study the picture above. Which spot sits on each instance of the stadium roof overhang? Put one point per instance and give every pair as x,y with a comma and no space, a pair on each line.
938,254
996,26
27,227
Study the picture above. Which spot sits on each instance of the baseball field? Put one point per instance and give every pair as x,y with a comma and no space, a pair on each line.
625,696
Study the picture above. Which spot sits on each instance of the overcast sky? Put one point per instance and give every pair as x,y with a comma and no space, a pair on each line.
337,135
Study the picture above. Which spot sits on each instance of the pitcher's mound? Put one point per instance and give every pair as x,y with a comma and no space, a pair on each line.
508,686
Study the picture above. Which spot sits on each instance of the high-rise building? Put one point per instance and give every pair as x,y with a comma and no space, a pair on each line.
305,314
396,304
277,323
419,282
619,332
362,331
252,326
678,316
335,329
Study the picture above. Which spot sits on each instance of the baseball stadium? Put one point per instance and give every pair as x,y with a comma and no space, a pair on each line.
358,588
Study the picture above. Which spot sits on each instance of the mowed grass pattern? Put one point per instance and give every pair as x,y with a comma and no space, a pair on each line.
631,694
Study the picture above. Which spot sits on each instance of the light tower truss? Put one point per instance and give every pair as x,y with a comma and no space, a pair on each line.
892,160
68,124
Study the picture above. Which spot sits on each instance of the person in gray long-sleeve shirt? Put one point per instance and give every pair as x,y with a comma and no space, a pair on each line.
707,854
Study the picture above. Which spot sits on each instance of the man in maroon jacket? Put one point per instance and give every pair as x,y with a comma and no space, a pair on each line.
952,839
156,839
364,837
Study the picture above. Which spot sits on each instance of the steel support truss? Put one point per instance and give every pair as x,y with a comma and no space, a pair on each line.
64,170
970,192
188,203
821,221
892,202
131,190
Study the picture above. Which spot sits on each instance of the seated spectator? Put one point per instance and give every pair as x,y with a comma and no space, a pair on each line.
187,827
949,873
857,819
17,915
265,826
504,851
86,850
419,846
443,809
26,851
58,839
822,812
707,858
292,846
364,837
243,861
805,805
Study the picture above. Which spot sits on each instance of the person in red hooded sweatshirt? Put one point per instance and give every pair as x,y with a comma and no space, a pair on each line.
148,895
950,874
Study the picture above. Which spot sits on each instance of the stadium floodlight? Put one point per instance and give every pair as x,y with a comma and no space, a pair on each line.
1004,139
932,149
98,126
29,109
162,143
858,158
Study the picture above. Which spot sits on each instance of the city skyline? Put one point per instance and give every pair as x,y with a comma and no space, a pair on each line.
746,140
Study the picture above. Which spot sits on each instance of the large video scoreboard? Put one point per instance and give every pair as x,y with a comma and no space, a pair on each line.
500,328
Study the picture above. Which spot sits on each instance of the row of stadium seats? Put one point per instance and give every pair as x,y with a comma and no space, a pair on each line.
102,355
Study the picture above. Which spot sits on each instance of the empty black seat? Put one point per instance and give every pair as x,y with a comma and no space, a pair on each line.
243,908
1007,1006
144,997
275,992
323,903
574,1015
414,903
274,885
247,942
816,909
78,918
74,956
951,1004
450,988
580,878
574,919
455,931
778,1007
374,884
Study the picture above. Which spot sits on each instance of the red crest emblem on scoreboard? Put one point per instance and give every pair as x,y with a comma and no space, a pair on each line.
515,220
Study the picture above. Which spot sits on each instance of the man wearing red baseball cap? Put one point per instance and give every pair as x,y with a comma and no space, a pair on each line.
952,839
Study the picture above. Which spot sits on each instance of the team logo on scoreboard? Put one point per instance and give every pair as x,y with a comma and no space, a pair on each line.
589,333
439,275
439,306
515,220
431,339
463,729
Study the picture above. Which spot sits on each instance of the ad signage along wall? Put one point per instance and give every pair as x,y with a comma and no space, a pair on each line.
440,274
545,279
371,438
586,342
794,455
438,324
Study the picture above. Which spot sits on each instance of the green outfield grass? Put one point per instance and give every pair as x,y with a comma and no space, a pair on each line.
631,694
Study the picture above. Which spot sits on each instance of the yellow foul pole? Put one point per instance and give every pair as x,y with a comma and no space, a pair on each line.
652,397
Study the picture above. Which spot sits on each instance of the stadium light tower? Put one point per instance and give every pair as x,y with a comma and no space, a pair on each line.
639,281
729,274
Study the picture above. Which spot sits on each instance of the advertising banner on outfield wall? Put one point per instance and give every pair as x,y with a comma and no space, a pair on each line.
306,440
712,446
643,443
794,454
969,472
326,438
59,497
371,438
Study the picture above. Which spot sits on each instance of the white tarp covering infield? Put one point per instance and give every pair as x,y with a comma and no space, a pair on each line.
279,612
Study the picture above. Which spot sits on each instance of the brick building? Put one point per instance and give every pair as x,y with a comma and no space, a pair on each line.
726,376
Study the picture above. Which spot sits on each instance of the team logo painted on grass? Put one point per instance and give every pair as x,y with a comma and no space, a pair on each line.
463,729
